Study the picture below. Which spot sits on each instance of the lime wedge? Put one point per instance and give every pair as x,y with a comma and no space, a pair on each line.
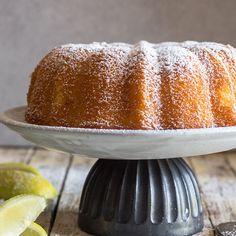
34,230
19,212
19,166
18,179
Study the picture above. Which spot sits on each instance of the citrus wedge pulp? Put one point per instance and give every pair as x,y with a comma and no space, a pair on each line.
17,214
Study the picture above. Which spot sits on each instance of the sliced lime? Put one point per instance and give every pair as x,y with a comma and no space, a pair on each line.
19,166
34,230
19,212
18,178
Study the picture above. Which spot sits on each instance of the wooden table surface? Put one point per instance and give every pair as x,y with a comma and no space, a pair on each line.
216,175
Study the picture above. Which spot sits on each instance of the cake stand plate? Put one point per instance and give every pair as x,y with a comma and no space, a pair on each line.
138,186
122,144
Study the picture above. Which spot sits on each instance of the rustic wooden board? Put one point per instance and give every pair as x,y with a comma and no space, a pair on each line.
16,155
66,222
218,186
54,167
216,175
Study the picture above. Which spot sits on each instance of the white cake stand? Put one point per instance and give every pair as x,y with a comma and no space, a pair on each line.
138,186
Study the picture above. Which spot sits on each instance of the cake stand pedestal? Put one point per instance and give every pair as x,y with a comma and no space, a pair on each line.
141,197
138,186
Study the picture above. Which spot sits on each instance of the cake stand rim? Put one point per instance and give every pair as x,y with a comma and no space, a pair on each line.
8,117
122,144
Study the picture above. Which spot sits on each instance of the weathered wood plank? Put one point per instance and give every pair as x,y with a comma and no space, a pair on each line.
16,155
66,222
230,157
218,185
53,166
216,174
208,230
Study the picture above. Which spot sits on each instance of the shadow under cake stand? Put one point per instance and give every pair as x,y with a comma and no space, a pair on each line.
138,186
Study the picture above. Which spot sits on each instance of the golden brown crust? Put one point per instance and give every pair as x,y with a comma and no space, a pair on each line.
142,86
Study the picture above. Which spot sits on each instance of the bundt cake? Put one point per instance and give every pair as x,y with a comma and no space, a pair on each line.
142,86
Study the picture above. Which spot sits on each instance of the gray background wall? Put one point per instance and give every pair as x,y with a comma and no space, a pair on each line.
29,28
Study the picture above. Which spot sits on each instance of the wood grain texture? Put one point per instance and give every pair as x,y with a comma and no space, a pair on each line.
216,175
208,227
53,166
218,186
16,155
66,222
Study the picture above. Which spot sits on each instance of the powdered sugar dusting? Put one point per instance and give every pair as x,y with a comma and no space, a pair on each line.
143,86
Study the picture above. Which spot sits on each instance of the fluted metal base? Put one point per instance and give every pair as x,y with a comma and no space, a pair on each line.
143,197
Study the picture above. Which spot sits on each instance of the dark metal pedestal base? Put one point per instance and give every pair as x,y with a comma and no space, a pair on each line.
141,198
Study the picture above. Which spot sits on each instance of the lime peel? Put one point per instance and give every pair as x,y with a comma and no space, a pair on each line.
19,166
18,178
34,230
